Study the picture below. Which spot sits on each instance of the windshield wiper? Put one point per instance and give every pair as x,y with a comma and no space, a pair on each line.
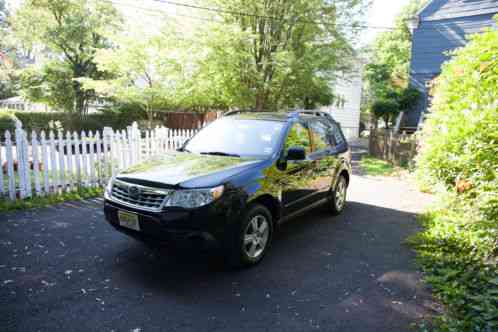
219,153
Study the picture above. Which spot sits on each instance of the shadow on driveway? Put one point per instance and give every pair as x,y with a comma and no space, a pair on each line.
346,273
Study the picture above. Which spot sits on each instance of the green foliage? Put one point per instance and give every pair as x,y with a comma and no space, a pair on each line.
460,137
271,61
7,121
385,109
145,71
284,57
51,84
388,70
39,202
71,31
390,105
118,118
458,152
458,253
390,54
8,82
8,77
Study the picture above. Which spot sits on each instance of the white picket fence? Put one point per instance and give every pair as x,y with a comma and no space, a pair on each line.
58,162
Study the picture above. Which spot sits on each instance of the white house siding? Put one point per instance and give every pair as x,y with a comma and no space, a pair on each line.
348,114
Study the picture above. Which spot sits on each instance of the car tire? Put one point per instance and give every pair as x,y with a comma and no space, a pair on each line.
337,199
252,237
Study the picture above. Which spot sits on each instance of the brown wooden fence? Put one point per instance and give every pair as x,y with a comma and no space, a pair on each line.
398,149
184,120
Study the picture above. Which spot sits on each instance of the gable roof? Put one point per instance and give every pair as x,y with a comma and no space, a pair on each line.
447,9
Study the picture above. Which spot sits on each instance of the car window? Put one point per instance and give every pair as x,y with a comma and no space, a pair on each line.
337,134
320,135
298,137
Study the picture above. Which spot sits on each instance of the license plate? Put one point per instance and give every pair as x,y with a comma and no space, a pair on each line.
128,220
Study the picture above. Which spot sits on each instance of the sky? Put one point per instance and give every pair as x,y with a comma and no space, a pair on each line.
381,13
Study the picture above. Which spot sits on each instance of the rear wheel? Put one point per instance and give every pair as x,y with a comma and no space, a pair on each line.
253,237
337,200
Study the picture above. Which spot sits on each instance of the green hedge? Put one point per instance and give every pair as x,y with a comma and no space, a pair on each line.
458,158
38,121
7,121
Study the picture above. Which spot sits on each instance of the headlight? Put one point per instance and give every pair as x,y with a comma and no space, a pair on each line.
108,189
193,198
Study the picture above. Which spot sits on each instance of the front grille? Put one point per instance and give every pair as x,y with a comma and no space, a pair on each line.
139,196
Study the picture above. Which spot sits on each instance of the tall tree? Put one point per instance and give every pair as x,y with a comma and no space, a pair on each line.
70,32
387,73
7,55
279,53
145,71
388,68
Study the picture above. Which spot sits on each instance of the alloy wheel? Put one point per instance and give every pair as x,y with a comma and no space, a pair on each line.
340,194
256,236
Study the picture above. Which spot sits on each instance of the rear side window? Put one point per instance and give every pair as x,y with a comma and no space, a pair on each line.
337,134
320,135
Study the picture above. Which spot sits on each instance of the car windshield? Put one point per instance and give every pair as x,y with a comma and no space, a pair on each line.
238,138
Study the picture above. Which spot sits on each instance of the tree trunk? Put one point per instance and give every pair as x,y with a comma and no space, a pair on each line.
375,122
79,100
150,115
259,101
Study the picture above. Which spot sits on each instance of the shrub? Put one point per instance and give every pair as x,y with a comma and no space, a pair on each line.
459,153
385,109
7,121
459,142
394,102
117,118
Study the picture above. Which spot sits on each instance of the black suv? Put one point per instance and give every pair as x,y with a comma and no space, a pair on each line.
234,182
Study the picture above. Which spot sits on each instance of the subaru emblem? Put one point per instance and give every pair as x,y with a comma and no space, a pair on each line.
134,192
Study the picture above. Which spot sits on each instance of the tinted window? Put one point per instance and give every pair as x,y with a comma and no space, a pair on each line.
320,135
337,134
246,138
298,137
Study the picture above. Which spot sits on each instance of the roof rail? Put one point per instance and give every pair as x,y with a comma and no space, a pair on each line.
312,112
233,112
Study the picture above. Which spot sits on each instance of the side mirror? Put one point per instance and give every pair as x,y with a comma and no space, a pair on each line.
296,153
182,148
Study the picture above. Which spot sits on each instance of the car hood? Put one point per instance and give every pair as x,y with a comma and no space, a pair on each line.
186,170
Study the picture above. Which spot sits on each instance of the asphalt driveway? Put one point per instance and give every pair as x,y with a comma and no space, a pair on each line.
64,269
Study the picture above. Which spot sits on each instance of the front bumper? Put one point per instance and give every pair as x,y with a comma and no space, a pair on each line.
203,227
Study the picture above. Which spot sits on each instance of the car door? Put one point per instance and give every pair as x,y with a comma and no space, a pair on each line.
324,157
295,185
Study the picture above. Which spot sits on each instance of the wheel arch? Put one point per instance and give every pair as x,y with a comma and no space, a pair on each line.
346,175
271,203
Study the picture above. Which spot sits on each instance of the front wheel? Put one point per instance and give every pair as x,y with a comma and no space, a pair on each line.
337,200
252,238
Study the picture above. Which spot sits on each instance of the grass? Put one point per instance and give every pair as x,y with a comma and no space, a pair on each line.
458,252
37,202
378,167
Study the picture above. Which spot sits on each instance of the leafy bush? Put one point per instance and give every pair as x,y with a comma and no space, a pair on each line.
7,121
385,109
115,118
459,142
395,101
457,251
459,153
